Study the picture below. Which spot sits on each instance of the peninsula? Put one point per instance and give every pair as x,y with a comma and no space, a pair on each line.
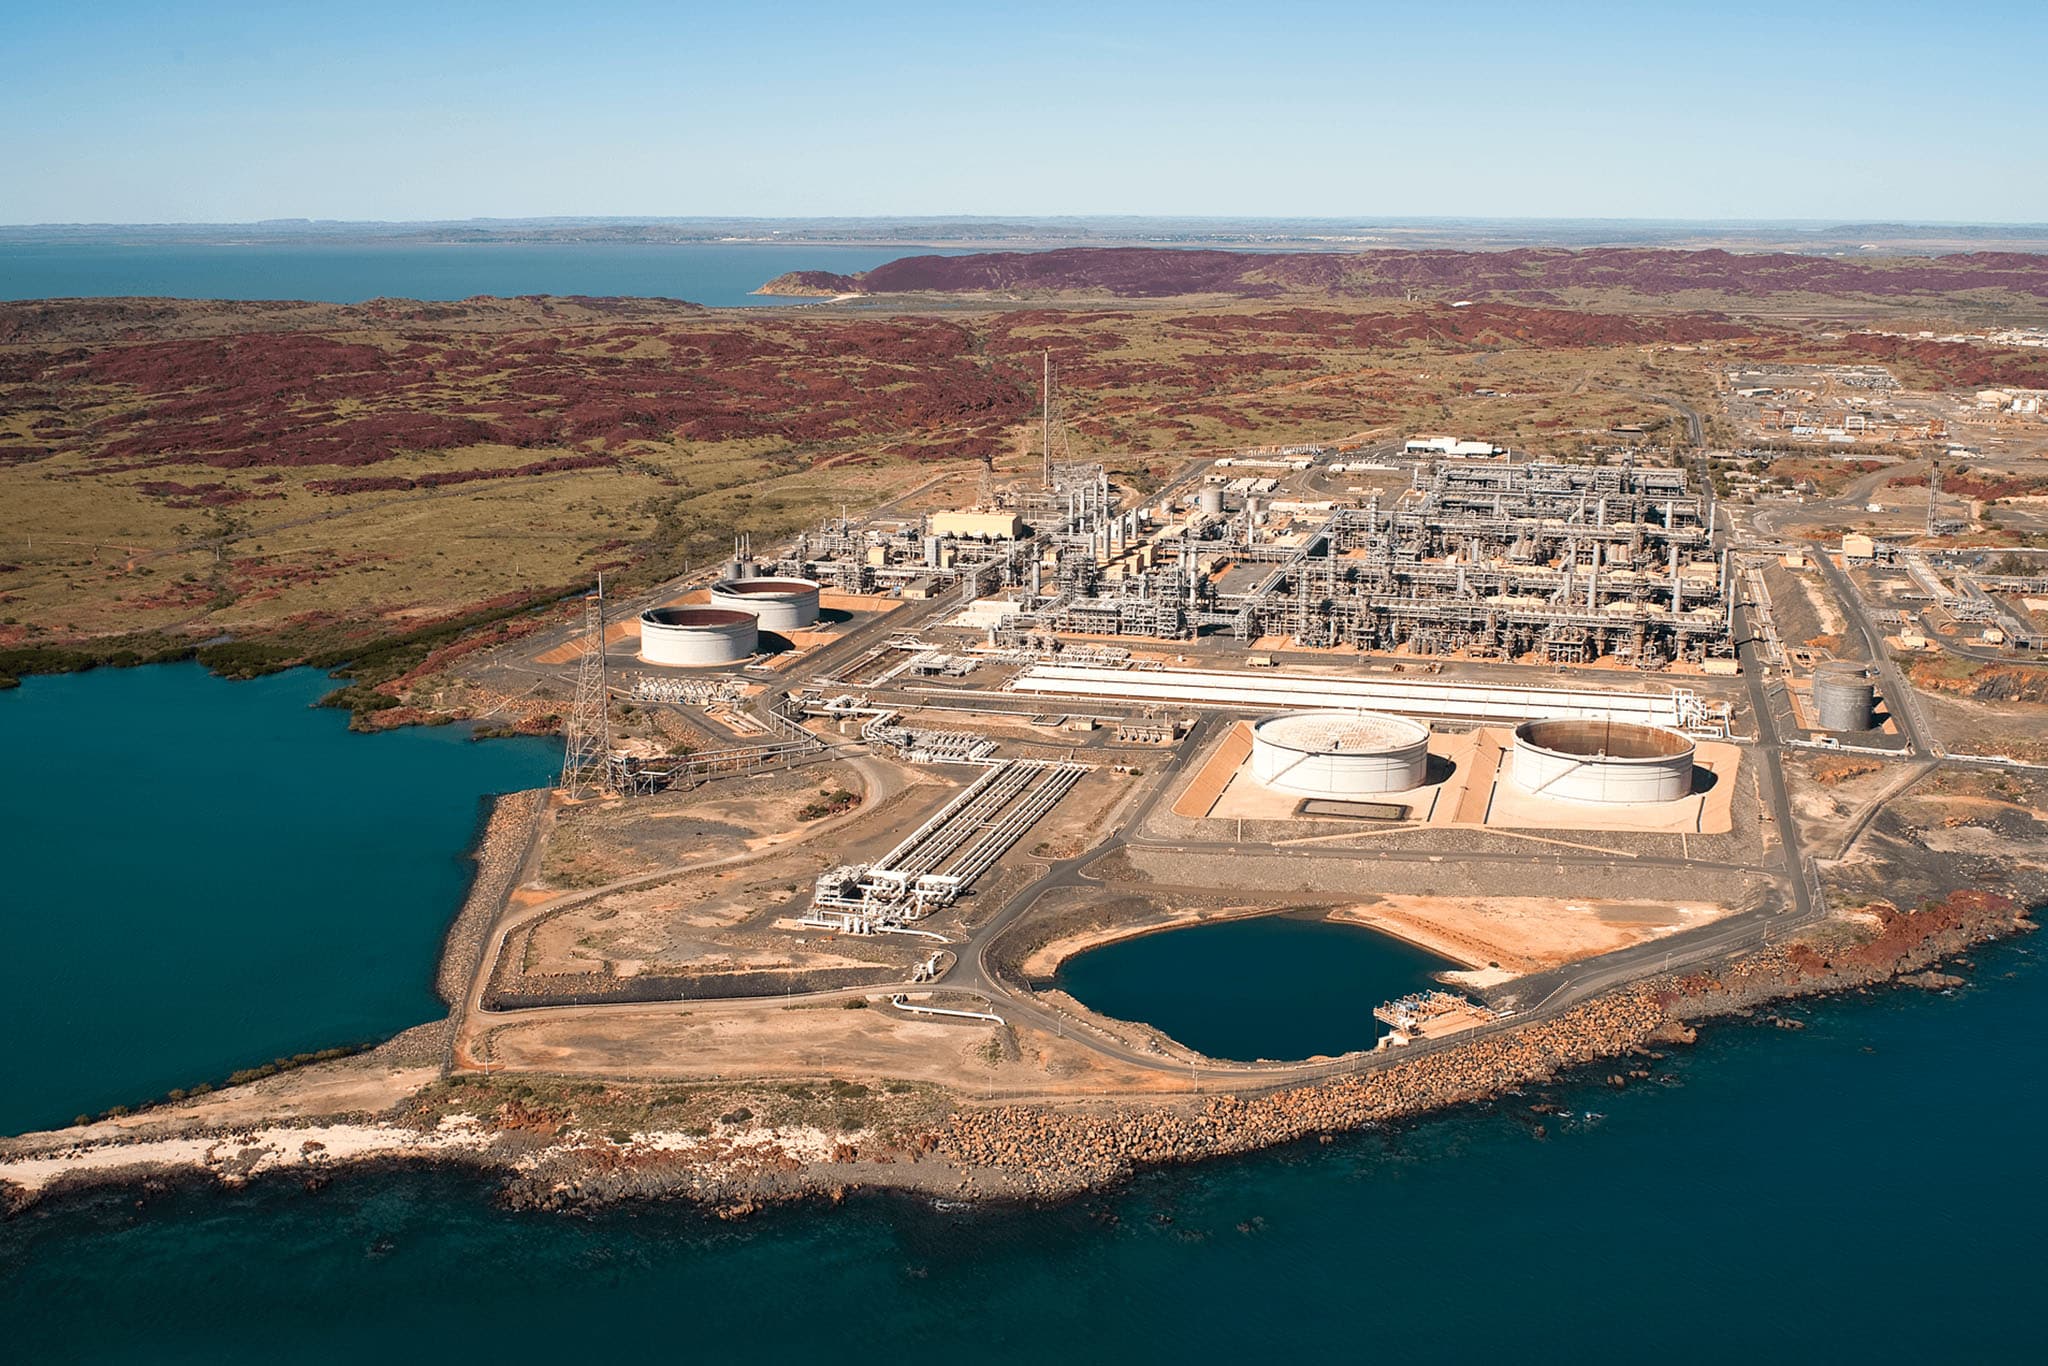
1646,636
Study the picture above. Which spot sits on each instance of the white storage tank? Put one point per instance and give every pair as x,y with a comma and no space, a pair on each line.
1339,754
779,604
1602,761
697,637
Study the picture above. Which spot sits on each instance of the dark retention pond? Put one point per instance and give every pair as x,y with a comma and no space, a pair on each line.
1277,986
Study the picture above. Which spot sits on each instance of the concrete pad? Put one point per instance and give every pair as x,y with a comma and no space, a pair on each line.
1705,812
1476,792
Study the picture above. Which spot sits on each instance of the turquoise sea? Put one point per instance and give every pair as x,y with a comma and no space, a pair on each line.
203,876
717,274
1865,1189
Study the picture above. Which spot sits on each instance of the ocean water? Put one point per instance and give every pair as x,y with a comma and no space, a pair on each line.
1272,987
1867,1188
717,274
203,875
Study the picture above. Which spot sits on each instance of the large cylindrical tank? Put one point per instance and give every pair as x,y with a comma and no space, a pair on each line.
1210,501
1339,753
1602,761
1844,695
697,637
780,604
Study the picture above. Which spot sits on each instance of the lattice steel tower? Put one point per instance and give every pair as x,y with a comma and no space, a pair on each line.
586,753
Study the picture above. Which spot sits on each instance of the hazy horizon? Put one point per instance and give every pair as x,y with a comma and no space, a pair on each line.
913,234
1025,219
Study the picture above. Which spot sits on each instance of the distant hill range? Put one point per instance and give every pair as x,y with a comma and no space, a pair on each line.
1523,275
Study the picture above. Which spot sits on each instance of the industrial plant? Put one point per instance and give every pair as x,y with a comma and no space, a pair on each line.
1537,708
1485,558
1313,643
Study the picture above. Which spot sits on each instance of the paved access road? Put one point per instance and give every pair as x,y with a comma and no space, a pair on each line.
1897,692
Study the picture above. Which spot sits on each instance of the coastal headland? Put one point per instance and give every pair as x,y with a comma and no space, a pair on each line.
1001,609
533,1135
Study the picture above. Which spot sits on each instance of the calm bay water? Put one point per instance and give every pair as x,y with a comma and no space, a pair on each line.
204,875
718,274
1269,987
1866,1189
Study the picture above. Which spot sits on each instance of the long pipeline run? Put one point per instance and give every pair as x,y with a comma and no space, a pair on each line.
944,856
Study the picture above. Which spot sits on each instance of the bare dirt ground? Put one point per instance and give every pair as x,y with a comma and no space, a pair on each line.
1977,818
1801,605
1972,726
365,1085
706,879
1199,795
1829,792
671,928
600,842
1501,937
1078,822
762,1040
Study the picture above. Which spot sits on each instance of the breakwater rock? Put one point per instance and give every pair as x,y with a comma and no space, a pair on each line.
1898,945
500,851
1044,1152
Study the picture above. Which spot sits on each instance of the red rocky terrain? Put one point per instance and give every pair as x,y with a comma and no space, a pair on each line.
1531,274
292,399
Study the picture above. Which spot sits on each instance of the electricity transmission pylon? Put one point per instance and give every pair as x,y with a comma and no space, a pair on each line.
587,746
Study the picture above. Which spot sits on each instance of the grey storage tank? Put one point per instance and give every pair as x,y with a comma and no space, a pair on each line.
1844,695
1210,501
779,604
1602,761
697,637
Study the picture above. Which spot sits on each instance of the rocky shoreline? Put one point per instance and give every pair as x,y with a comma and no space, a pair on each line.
1054,1153
1018,1152
498,855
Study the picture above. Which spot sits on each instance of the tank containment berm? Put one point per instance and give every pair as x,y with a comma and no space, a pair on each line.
1602,761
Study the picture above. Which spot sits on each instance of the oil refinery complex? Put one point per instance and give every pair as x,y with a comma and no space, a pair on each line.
1488,558
1533,716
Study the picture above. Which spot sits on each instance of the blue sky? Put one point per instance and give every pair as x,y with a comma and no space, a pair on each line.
129,112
